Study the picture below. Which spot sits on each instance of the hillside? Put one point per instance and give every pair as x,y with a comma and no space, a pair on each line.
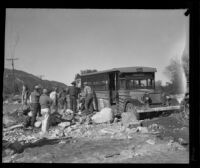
26,78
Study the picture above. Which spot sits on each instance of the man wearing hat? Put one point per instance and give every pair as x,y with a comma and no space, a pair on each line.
34,102
73,95
45,102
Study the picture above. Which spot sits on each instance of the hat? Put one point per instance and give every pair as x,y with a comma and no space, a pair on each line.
45,91
37,87
73,82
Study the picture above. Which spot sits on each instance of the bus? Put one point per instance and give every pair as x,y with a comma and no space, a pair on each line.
127,89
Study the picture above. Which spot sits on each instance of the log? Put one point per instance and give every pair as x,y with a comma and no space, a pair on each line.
13,127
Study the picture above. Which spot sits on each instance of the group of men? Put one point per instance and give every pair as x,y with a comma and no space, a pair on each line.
44,104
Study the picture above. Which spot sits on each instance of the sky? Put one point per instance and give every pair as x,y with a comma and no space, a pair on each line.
59,43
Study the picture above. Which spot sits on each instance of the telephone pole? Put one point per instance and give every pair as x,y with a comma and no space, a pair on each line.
12,62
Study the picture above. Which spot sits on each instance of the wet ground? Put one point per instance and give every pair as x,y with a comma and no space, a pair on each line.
107,143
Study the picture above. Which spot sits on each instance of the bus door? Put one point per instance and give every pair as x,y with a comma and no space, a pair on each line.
113,87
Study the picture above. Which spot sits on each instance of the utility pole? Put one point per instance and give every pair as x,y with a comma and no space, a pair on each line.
41,78
12,62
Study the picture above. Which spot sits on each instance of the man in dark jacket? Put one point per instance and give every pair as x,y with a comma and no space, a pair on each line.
35,106
73,95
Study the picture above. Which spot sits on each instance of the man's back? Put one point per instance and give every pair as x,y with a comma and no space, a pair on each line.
45,101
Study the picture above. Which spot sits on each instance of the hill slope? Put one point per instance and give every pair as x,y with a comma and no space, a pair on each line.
30,80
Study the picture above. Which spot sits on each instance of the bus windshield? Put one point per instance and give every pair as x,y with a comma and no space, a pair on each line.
137,83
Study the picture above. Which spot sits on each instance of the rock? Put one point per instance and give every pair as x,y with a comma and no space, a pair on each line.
38,124
8,121
7,159
64,124
105,115
16,102
151,141
182,141
142,130
16,146
107,131
5,102
112,154
128,119
175,146
153,126
8,152
127,153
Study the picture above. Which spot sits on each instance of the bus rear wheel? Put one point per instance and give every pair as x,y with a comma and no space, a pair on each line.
131,108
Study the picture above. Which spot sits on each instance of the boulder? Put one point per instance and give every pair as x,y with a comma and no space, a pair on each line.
105,115
128,120
64,124
38,124
142,130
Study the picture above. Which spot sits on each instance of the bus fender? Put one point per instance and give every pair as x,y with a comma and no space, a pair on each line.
135,102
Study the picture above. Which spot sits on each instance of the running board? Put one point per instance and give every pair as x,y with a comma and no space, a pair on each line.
156,109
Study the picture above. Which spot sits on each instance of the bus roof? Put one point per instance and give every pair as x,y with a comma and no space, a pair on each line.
125,70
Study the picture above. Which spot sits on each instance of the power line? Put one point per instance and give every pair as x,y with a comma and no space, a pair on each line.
12,62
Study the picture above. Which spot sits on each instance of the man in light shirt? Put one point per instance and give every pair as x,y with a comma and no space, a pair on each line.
54,97
88,94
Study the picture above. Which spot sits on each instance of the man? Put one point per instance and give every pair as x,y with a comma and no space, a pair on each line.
63,99
45,103
54,98
73,95
25,95
34,102
88,93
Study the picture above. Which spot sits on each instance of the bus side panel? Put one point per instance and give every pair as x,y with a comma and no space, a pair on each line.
102,99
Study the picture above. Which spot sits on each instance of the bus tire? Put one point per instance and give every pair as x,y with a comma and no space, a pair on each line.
130,107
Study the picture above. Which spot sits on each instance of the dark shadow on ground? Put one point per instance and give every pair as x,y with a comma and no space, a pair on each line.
18,148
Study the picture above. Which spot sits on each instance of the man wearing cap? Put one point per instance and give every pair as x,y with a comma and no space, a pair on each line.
73,95
45,103
34,102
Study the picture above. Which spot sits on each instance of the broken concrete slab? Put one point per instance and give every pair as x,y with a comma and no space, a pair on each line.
105,115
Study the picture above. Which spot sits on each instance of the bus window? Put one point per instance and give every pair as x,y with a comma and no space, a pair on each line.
143,83
122,84
136,83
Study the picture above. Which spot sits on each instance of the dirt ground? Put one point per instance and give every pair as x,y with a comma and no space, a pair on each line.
106,143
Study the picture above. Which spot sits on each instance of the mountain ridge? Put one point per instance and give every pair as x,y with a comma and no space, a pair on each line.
22,77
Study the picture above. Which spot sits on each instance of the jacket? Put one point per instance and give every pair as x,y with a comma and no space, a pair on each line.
34,97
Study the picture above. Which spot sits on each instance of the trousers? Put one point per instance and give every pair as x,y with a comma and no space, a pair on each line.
73,103
45,122
89,103
35,108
